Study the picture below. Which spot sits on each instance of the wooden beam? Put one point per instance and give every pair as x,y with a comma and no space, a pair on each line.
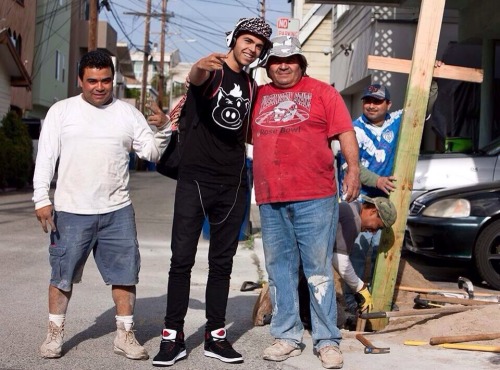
410,137
93,26
445,71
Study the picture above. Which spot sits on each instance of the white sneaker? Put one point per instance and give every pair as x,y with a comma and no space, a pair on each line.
52,347
331,357
126,345
280,351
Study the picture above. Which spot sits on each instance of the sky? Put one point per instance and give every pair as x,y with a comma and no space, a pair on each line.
196,27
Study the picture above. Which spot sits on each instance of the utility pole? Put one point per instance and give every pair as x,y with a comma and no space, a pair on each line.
161,79
421,69
92,36
164,17
146,55
259,73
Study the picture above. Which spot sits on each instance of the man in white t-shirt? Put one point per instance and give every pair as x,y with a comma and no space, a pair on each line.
90,136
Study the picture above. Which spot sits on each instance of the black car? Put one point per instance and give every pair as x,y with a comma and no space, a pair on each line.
459,223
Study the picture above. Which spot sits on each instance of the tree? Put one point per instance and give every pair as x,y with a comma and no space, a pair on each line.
16,152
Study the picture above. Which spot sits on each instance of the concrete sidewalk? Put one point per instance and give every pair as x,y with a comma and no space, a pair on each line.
90,326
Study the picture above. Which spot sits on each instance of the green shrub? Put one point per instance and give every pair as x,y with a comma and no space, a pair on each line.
16,153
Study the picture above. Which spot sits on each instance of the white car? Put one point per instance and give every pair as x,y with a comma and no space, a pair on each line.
437,171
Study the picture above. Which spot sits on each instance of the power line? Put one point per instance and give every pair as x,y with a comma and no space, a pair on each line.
120,25
251,9
191,19
205,27
197,11
199,35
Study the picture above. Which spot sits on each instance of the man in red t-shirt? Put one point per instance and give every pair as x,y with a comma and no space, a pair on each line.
294,120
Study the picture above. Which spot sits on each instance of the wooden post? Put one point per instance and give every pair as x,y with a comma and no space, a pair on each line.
161,79
410,137
145,64
487,100
445,71
384,282
93,19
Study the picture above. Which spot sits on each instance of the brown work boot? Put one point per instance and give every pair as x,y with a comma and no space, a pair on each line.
52,347
331,357
126,345
280,351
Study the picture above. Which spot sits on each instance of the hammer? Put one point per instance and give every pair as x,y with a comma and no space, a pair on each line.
466,284
369,347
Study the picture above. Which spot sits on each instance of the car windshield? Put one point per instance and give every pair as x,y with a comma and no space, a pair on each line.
492,148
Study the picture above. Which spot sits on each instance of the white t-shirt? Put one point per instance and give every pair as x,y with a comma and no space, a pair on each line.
93,146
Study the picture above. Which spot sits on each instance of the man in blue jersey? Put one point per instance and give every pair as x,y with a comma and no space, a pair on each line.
377,132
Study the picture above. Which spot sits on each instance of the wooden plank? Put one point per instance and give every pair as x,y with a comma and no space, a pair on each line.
464,346
463,338
445,71
453,300
443,292
410,137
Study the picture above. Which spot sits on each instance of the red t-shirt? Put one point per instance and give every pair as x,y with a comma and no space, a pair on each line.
292,131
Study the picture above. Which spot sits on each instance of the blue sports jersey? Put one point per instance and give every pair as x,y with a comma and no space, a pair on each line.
377,148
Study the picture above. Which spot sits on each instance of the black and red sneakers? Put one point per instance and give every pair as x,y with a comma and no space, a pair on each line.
172,348
217,346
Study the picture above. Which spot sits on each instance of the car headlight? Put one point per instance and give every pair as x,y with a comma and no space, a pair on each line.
448,208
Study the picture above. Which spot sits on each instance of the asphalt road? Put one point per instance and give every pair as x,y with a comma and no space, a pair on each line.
90,324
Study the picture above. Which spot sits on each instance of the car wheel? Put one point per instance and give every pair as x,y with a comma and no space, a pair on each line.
487,254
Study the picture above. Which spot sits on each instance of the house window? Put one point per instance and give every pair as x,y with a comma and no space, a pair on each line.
57,65
85,10
60,67
138,70
341,10
16,41
63,69
77,81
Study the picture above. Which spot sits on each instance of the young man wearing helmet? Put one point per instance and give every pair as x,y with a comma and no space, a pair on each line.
212,184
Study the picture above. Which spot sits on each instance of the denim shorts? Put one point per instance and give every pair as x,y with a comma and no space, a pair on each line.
112,237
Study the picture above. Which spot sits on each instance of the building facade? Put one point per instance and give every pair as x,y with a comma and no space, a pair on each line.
17,35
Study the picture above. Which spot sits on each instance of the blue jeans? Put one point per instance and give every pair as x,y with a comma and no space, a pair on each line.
364,242
295,232
225,207
112,237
